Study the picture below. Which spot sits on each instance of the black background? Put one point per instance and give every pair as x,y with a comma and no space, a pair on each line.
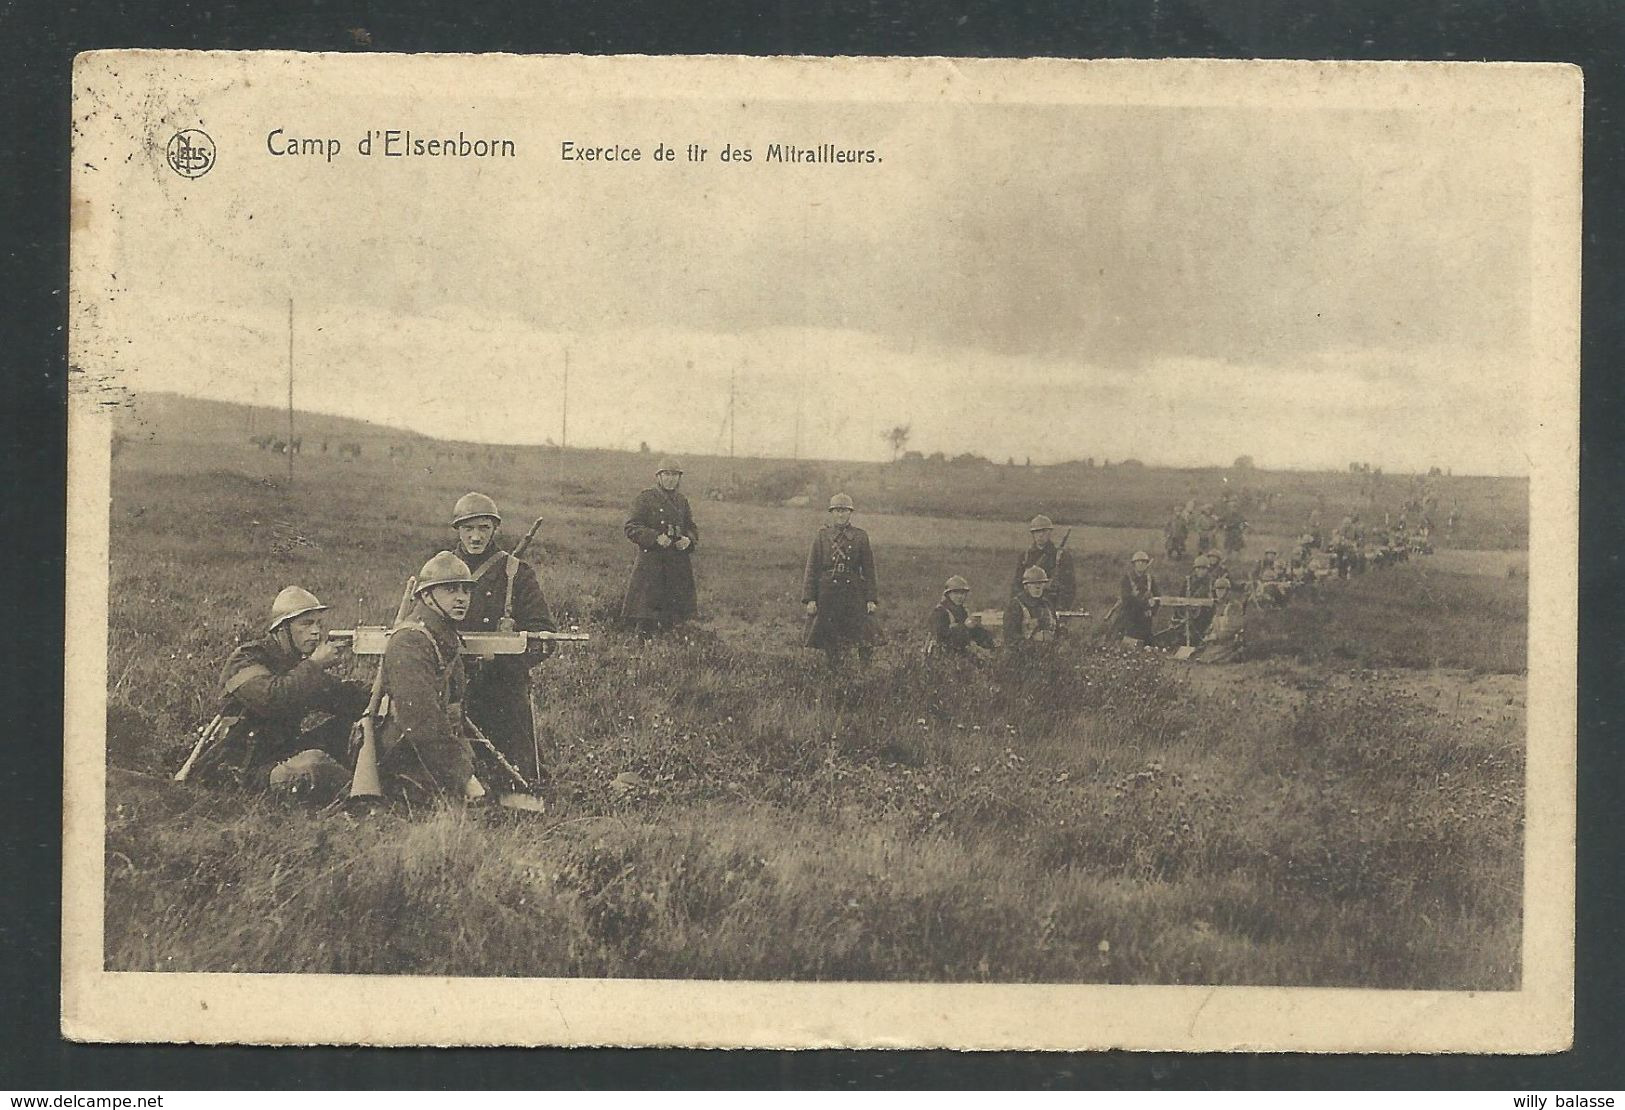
37,44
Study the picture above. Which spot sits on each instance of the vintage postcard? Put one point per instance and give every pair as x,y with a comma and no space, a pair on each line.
811,552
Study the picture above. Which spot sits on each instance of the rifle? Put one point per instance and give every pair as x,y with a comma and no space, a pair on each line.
365,783
206,736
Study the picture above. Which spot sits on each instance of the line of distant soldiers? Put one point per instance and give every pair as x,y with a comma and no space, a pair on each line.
445,720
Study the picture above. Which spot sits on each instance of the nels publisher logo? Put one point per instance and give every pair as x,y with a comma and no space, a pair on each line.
190,153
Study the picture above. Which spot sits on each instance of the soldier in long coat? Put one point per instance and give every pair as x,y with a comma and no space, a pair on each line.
1136,600
268,687
423,745
1056,563
838,588
661,592
507,597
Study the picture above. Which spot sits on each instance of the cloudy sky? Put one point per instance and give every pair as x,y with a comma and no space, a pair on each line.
1177,284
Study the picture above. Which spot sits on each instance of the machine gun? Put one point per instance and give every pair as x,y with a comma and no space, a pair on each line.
371,639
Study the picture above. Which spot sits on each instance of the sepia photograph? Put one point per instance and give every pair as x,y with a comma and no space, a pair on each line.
811,552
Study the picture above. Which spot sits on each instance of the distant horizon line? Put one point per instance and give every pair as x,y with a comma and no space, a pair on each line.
947,456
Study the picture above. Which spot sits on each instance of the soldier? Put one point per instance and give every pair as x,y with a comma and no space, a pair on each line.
1206,525
661,592
1175,533
423,747
1267,563
1136,600
1233,526
268,687
1216,566
1222,641
1199,583
955,630
1029,617
507,597
838,588
1057,564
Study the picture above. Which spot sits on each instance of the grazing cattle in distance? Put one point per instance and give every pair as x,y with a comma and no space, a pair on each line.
350,449
279,447
262,442
295,444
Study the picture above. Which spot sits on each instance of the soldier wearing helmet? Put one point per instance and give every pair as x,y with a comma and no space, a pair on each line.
1222,639
1029,617
1136,600
661,524
838,585
268,687
1055,561
953,629
507,597
423,747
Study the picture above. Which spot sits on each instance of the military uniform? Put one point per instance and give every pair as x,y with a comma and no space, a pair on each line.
423,749
268,689
840,577
1222,642
1063,579
1134,595
1199,583
661,591
1030,620
499,688
951,631
1174,535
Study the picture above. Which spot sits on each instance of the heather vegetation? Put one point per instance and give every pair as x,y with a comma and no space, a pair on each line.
1345,808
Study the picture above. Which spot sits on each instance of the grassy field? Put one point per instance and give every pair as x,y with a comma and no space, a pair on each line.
1345,808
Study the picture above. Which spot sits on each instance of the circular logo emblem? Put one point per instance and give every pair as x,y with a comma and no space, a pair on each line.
190,153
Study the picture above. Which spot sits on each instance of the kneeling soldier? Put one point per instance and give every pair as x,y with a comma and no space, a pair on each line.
507,597
954,630
1222,642
270,685
1136,600
1030,618
423,749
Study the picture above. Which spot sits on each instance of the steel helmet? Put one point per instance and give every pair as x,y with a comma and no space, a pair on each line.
1040,522
955,583
1033,574
472,505
669,465
841,501
443,569
293,601
1270,551
1140,557
1221,581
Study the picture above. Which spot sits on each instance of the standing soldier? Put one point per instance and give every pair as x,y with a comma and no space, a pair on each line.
1175,533
1136,600
1055,561
268,687
1206,525
838,587
1029,617
955,630
507,597
661,592
1232,524
423,747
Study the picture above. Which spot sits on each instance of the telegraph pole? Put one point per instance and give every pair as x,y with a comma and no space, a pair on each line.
290,393
564,434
